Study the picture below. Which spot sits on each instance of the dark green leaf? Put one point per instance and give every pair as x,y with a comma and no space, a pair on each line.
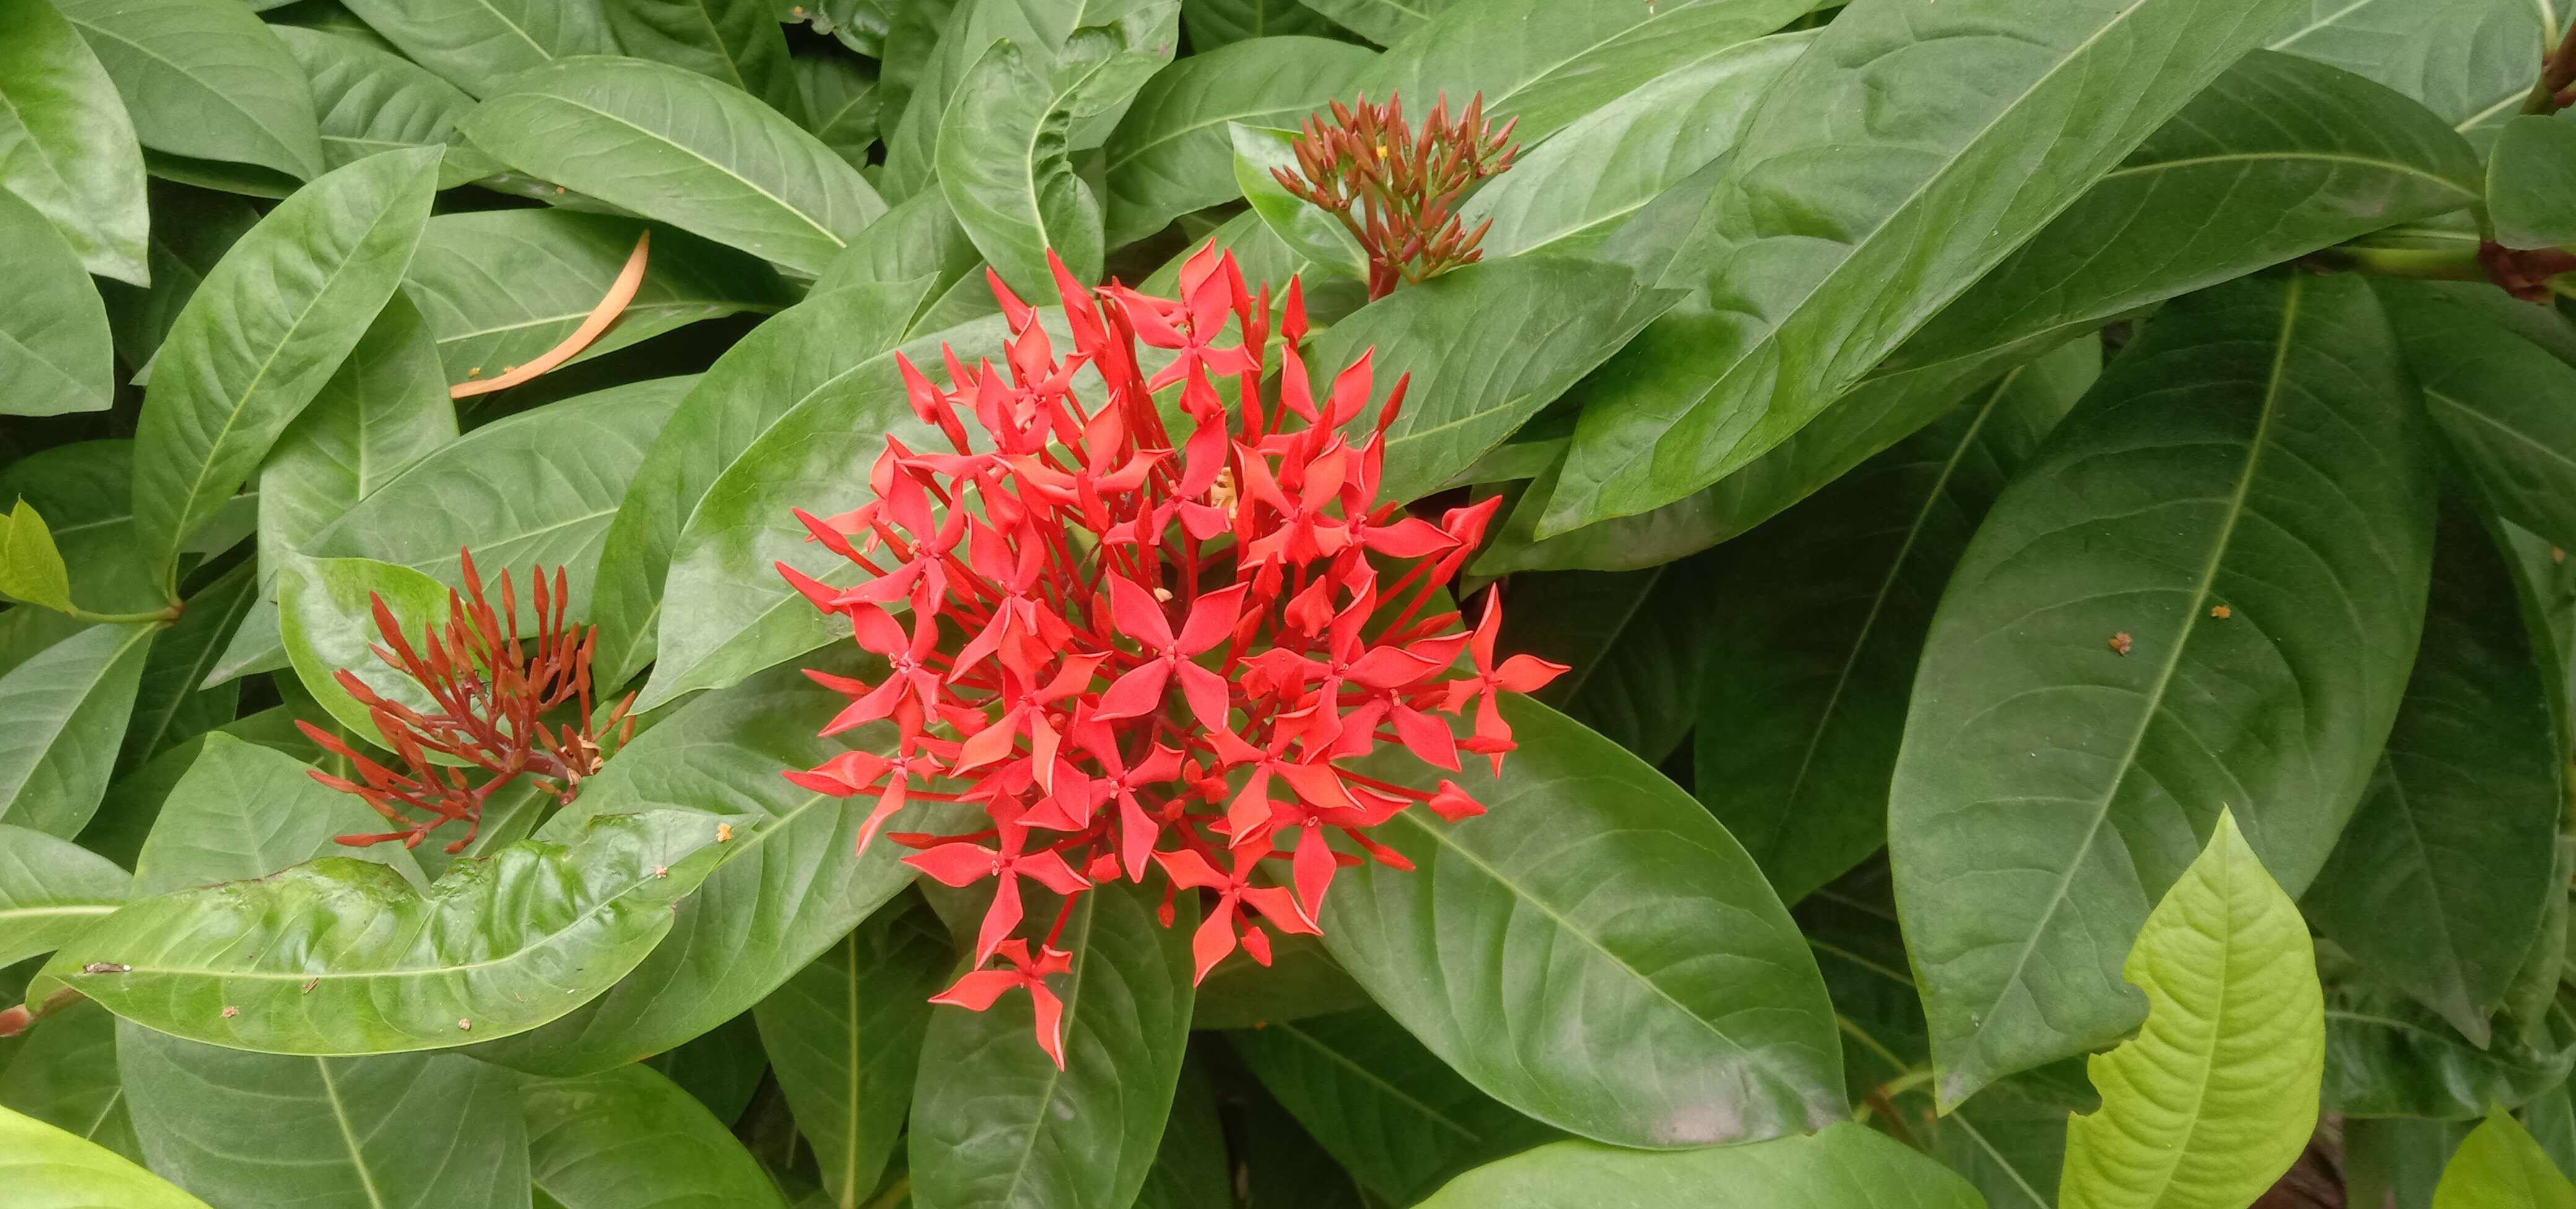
190,231
1841,225
735,41
259,339
2203,591
998,1124
1006,168
2469,61
2389,1056
845,1037
840,105
2396,1161
1844,1167
1301,980
371,100
50,889
1171,154
1215,24
630,1137
62,714
205,79
64,1075
244,810
1190,1169
66,145
1819,617
2490,380
675,146
479,44
721,1068
1382,21
1635,642
2531,183
2010,1145
56,354
169,707
47,1168
1640,982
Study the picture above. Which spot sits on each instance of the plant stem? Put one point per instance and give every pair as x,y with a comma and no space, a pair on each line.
2556,74
161,616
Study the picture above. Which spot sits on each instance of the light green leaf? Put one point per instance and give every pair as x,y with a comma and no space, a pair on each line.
259,339
737,42
630,1137
673,145
1305,229
844,1038
31,568
66,145
919,237
62,713
372,100
1845,1166
2228,538
47,1168
1006,168
1172,153
2498,1166
2217,1094
327,625
50,889
1842,223
1640,982
56,353
2469,61
205,79
64,1075
480,44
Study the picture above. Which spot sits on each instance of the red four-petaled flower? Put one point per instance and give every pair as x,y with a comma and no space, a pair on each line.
1134,652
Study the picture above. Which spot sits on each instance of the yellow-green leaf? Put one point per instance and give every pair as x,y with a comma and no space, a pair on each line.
2499,1166
46,1168
31,569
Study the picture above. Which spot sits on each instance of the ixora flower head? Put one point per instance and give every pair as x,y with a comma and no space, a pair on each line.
1396,189
491,694
1145,654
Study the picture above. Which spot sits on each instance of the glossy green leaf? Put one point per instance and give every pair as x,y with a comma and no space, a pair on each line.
2216,1095
675,146
66,145
632,1137
388,968
1634,643
2389,1056
50,889
2489,384
841,104
1402,1122
205,79
1638,981
998,1124
1006,168
2229,538
1216,24
170,707
1381,21
31,566
47,1168
245,810
62,713
1172,154
737,42
327,624
479,44
2469,61
2530,175
56,354
919,237
1486,346
1819,617
1046,35
809,350
370,99
844,1037
2498,1166
65,1075
1826,271
259,339
191,229
789,891
2444,875
1845,1166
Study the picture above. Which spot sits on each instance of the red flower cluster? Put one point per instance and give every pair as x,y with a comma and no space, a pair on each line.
1396,190
1137,653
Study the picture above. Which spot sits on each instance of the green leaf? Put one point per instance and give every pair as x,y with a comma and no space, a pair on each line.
722,1068
2498,1166
62,713
737,42
479,44
244,810
1308,232
64,1075
1216,24
680,148
205,79
1635,642
327,624
1381,21
2216,1096
919,237
169,707
66,145
788,891
47,1168
2444,875
1845,1166
1642,985
1568,194
372,100
191,229
1045,35
2469,61
259,339
2245,504
2489,382
50,889
388,968
1486,346
808,350
31,568
1819,618
844,1038
1301,980
56,354
2529,175
1382,1105
1190,1168
2010,1145
998,1124
2389,1056
1172,154
1842,226
2397,1159
841,105
1006,168
630,1136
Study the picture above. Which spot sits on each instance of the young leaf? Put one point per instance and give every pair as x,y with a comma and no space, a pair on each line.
62,713
2229,537
56,353
1845,1166
1588,903
844,1038
1908,204
997,1123
1006,168
49,1167
205,79
735,41
1172,153
604,1141
2217,1094
2498,1166
31,569
259,339
480,44
1191,1167
50,889
673,145
66,145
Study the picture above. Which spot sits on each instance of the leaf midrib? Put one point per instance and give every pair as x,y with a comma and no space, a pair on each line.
1375,1080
